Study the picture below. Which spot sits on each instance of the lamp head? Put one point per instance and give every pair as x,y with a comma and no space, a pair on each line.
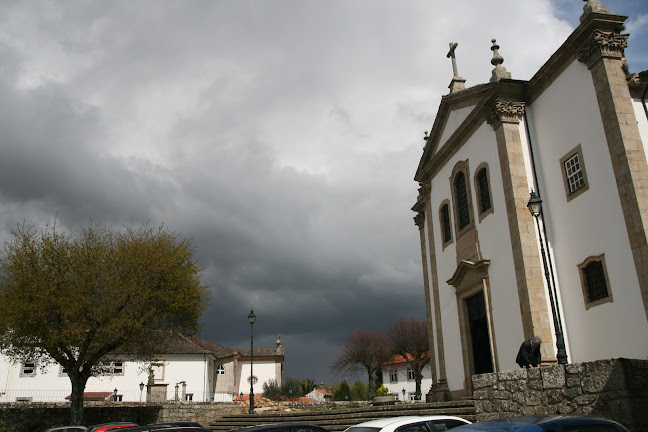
535,204
251,317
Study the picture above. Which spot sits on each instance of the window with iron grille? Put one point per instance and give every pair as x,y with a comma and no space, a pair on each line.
445,223
595,282
483,190
461,197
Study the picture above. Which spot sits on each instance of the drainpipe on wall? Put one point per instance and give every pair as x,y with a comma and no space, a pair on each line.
544,228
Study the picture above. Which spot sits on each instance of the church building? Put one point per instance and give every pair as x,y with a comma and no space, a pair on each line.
533,211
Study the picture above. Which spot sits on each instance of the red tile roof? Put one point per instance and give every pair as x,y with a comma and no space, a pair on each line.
93,396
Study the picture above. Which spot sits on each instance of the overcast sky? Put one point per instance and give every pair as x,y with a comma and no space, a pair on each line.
281,135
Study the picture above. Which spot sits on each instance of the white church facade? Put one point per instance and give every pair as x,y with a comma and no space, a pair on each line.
189,368
574,139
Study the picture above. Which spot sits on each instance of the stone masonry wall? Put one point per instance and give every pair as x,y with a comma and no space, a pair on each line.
24,417
616,389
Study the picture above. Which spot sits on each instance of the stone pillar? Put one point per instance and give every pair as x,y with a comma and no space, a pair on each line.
504,116
439,390
602,52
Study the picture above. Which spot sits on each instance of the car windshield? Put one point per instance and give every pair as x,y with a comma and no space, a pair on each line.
362,429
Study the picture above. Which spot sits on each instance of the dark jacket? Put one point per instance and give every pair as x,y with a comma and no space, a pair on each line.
528,355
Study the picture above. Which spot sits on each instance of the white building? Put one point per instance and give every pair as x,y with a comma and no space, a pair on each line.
190,368
575,134
398,377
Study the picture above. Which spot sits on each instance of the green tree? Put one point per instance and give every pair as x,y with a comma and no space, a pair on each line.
72,298
359,391
290,388
343,392
272,390
306,386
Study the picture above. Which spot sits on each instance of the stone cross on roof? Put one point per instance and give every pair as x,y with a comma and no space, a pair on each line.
457,82
451,54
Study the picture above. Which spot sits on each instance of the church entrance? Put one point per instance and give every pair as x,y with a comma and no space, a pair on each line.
481,349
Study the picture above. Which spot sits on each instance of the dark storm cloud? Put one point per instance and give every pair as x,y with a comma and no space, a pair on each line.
282,137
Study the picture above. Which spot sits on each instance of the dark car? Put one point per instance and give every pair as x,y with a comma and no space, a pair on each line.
539,423
164,426
67,429
282,427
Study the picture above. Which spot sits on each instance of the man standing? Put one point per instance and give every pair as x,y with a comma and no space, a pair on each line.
529,355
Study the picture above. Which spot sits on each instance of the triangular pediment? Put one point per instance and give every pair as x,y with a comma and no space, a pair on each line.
459,116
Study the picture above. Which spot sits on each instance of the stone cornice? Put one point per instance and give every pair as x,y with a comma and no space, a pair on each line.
564,55
601,44
504,111
480,268
419,220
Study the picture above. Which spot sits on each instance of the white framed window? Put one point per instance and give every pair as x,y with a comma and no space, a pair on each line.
220,370
28,369
410,374
574,174
393,376
111,367
157,369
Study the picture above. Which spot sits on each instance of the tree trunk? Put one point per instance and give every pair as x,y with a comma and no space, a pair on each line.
76,400
372,385
419,378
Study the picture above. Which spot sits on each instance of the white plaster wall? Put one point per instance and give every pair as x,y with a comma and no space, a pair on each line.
564,116
49,384
642,122
403,383
455,118
494,236
263,370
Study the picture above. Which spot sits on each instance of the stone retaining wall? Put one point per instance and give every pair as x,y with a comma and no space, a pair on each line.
616,389
24,417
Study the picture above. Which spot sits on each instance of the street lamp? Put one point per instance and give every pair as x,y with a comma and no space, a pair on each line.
251,319
535,207
404,395
141,389
114,395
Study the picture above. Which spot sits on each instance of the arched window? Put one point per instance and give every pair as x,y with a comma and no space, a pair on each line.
482,185
445,223
461,197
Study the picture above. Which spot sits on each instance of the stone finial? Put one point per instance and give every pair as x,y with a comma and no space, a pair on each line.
278,342
500,71
593,6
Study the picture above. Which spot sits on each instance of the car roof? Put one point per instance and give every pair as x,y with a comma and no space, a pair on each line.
524,423
381,423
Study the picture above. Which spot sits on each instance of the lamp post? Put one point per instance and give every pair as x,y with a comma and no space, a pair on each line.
251,319
115,395
141,389
535,207
403,395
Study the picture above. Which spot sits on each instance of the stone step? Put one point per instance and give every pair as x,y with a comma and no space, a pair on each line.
336,420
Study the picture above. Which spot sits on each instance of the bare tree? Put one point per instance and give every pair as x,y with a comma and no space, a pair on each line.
409,339
362,351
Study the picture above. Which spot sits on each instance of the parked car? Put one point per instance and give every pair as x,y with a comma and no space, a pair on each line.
282,427
163,425
67,429
103,427
410,424
539,423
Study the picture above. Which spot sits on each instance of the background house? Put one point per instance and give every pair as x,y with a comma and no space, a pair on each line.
190,368
397,376
494,275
